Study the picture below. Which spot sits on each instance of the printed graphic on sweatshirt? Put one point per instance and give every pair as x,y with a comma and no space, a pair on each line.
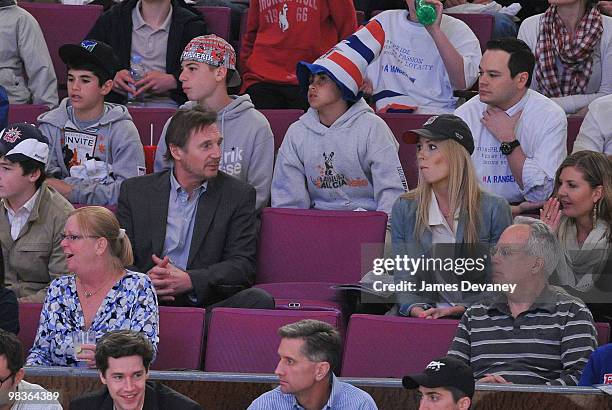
285,12
78,146
282,18
231,163
329,178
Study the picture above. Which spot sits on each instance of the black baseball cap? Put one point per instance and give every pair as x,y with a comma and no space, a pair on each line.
443,127
444,372
22,141
96,52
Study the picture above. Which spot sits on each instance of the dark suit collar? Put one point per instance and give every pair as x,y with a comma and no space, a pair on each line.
207,206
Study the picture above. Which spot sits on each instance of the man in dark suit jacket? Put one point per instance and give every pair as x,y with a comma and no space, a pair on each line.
193,228
123,358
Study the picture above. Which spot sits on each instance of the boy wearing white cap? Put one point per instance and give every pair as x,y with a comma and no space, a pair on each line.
33,215
339,155
209,67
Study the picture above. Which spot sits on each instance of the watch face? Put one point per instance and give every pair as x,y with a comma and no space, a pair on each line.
505,148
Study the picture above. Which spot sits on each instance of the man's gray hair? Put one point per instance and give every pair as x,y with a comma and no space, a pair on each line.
542,243
322,340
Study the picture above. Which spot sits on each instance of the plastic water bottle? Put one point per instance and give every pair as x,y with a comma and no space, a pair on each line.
137,71
425,12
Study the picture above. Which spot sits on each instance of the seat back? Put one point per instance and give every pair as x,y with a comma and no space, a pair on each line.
150,122
280,120
62,24
218,20
246,340
388,346
574,122
400,123
480,23
181,335
603,333
29,318
332,246
25,112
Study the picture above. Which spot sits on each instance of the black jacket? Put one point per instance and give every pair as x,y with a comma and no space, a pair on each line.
9,313
222,253
115,28
157,397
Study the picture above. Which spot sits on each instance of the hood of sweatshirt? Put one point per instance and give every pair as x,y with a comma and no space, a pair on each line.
6,3
311,118
247,148
59,117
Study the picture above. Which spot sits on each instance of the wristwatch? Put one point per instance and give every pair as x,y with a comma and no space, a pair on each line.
506,148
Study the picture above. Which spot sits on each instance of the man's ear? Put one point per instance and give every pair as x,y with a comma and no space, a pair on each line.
106,87
175,150
538,265
33,177
522,79
102,378
220,74
322,370
19,375
464,403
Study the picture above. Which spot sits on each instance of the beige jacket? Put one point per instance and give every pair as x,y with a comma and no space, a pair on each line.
35,258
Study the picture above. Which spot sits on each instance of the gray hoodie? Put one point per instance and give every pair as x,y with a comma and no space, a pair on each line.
248,145
26,70
115,142
352,165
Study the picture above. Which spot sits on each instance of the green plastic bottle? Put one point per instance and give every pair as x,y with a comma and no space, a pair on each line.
425,12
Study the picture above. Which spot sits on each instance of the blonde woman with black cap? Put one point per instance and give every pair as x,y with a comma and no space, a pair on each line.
447,207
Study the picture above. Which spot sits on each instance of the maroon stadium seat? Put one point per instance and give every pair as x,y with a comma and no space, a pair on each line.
400,123
150,122
181,334
573,128
390,346
25,112
29,317
279,121
218,20
246,340
62,24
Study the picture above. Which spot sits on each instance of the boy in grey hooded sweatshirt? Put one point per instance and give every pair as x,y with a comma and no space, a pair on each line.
209,67
339,155
94,146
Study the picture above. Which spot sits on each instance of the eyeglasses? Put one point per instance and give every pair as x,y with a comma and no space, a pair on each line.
5,379
73,238
506,250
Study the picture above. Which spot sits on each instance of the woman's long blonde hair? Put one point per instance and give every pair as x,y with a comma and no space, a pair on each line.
464,192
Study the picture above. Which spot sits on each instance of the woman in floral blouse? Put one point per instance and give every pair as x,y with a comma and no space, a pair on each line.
99,297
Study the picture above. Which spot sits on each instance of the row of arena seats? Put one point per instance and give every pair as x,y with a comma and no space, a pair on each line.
62,24
150,123
245,340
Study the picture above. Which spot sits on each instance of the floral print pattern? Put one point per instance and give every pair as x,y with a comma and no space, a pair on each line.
130,304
